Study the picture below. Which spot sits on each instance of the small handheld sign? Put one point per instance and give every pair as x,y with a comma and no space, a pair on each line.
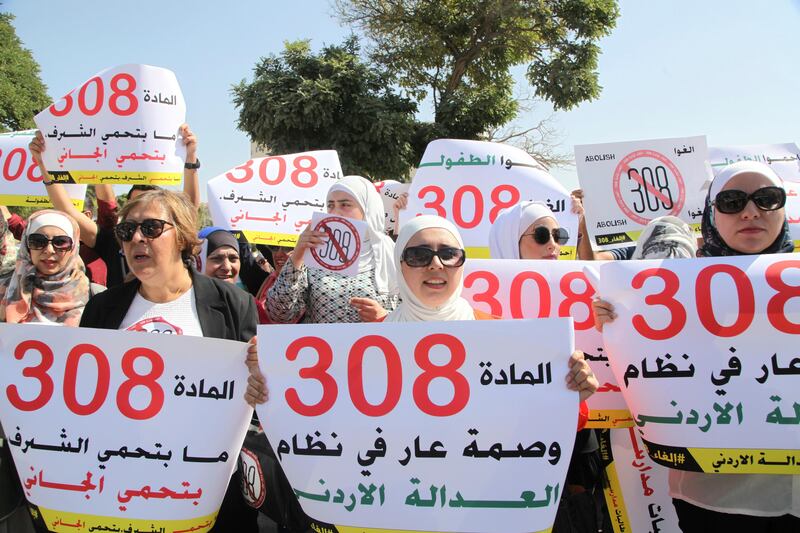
341,251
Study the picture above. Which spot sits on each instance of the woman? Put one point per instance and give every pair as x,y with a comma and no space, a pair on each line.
219,254
529,230
328,297
280,255
48,284
744,215
8,251
158,234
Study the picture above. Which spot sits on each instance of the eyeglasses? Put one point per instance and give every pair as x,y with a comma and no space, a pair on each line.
734,201
152,228
542,235
61,243
278,249
422,256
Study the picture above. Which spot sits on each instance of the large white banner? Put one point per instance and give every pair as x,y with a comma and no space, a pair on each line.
271,199
628,184
637,494
408,426
22,179
115,429
784,159
541,289
470,182
120,126
705,351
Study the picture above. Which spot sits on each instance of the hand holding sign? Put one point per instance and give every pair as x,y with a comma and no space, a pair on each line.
338,244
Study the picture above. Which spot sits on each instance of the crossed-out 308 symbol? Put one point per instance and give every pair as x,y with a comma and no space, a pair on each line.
655,184
343,246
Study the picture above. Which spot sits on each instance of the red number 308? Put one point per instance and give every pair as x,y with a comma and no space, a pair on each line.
394,372
40,372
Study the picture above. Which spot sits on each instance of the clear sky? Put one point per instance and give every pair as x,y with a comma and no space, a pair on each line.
724,68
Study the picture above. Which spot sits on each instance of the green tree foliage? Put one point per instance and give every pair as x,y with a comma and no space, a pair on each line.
22,93
459,53
302,101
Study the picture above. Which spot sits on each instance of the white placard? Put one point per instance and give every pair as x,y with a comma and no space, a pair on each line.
784,159
705,351
540,289
638,488
402,426
112,428
340,252
22,179
271,199
390,191
627,184
120,126
470,182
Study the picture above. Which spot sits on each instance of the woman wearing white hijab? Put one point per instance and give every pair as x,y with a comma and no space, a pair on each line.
329,297
529,230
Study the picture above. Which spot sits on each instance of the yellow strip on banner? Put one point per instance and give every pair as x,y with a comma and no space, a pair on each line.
275,239
797,246
126,178
747,461
64,522
615,501
27,200
349,529
609,418
482,252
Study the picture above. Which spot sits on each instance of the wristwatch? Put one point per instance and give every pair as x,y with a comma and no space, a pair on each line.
192,166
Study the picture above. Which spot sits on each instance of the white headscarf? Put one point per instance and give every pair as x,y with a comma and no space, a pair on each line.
379,247
413,310
666,238
510,225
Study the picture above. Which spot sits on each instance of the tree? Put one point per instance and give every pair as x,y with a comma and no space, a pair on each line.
459,53
301,101
22,93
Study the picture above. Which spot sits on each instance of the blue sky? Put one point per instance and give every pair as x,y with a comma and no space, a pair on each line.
724,68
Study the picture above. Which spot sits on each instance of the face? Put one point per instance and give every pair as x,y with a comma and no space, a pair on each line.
434,284
223,264
152,260
50,261
751,230
342,204
530,249
280,254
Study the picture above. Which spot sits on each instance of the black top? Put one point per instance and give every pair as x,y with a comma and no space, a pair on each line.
107,247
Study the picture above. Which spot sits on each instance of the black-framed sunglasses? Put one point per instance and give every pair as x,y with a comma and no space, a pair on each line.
422,256
734,201
542,235
61,243
152,228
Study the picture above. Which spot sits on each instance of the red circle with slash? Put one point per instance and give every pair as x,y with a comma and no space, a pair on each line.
624,167
328,226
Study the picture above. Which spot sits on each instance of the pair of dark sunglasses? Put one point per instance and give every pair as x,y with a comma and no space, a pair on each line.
422,256
734,201
542,235
61,243
151,228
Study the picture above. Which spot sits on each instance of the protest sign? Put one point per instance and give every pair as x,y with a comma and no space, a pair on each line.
784,159
628,184
22,179
471,182
115,429
390,191
704,351
271,199
120,126
511,288
637,494
340,252
408,426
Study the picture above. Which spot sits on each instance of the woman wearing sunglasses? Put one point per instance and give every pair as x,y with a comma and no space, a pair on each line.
48,285
528,230
744,215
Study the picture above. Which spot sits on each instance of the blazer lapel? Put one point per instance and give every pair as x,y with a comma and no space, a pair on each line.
210,308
